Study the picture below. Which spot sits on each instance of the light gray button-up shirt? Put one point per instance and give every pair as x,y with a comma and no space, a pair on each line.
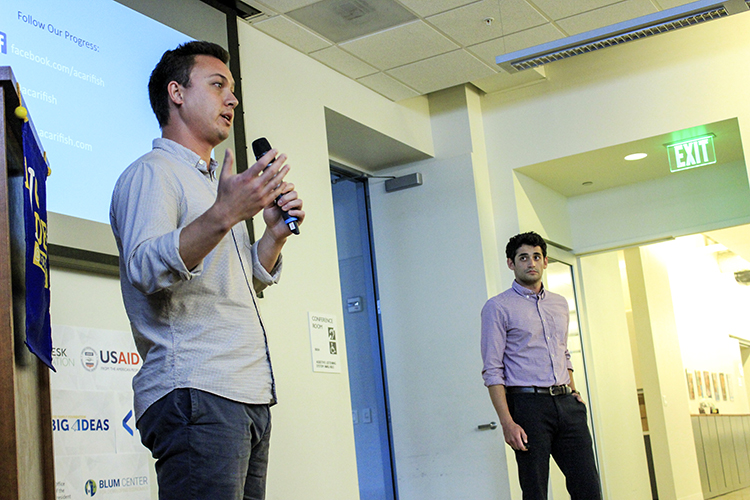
194,328
524,339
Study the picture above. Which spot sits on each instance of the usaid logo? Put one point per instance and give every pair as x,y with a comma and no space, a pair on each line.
89,360
3,43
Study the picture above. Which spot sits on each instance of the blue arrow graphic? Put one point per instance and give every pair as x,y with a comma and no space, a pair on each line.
125,422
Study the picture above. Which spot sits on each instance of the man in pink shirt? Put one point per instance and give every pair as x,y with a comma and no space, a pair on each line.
529,375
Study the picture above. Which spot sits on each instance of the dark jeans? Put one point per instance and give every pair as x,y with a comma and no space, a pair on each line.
556,426
207,447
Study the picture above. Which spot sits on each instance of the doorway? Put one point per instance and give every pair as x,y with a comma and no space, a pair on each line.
367,374
560,279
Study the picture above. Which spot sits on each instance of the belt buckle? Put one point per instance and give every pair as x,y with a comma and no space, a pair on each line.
557,390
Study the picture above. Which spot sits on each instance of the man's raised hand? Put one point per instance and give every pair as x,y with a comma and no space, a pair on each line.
241,196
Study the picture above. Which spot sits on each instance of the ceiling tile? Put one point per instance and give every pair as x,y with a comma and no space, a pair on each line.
487,51
441,72
556,9
426,8
388,87
606,16
343,62
282,6
400,45
452,44
505,81
341,20
292,34
466,25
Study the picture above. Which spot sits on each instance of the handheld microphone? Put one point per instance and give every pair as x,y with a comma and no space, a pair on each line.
261,146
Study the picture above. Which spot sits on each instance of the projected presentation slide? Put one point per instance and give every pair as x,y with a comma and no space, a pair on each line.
83,67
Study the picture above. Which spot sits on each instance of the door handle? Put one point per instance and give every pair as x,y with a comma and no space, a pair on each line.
487,427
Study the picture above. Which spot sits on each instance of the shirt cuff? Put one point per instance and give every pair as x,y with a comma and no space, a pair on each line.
493,379
177,264
260,273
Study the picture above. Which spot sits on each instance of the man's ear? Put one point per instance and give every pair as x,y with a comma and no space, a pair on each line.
511,265
174,90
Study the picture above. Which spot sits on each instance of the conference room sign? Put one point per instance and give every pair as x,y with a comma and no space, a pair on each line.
324,343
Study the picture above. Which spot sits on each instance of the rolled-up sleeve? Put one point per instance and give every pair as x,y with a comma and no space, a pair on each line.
493,345
261,277
145,217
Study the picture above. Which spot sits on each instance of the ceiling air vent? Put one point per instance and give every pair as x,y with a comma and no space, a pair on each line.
616,34
342,20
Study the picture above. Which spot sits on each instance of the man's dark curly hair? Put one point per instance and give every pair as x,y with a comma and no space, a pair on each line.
176,65
530,238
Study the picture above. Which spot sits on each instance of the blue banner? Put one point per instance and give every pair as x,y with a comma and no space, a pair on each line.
38,332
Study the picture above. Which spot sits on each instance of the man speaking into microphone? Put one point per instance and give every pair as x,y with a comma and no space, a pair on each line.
189,276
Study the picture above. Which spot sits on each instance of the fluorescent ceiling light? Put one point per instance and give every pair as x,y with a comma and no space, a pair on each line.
616,34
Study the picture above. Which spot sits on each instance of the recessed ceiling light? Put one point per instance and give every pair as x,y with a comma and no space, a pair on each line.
636,156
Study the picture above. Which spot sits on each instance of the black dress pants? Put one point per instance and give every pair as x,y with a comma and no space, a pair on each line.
555,426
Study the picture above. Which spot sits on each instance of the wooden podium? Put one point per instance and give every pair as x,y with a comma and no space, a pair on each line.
26,456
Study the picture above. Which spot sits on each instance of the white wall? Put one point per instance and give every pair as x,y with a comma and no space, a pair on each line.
542,209
693,201
431,272
286,93
86,300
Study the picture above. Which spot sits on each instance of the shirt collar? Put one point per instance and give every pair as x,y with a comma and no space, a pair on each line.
187,156
522,290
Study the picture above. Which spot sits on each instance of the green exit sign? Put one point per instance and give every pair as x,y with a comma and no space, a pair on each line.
692,153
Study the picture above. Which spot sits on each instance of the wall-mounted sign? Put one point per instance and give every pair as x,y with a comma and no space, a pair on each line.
692,153
97,448
324,343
